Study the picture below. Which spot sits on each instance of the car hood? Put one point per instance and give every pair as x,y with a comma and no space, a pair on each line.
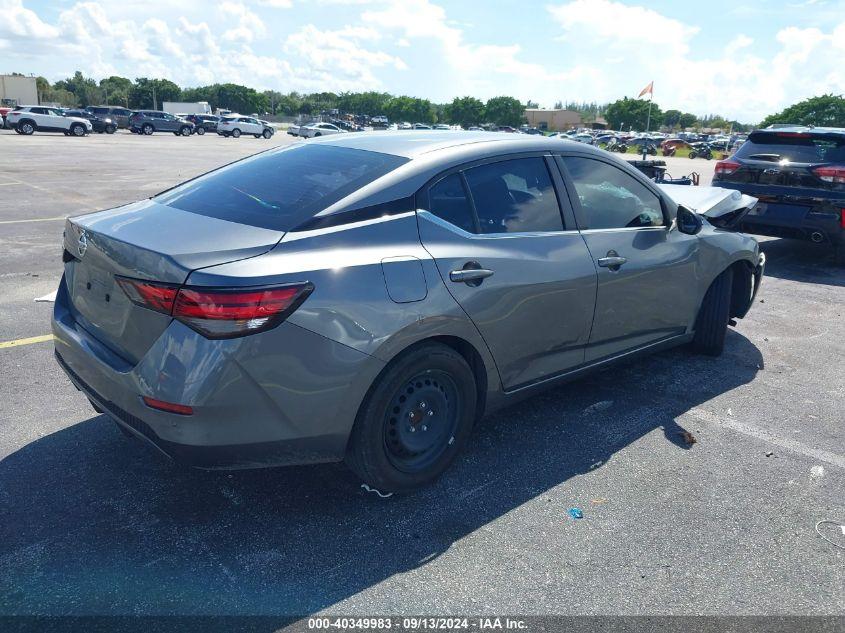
712,202
78,119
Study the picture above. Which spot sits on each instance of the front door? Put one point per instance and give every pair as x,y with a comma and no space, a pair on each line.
525,279
646,270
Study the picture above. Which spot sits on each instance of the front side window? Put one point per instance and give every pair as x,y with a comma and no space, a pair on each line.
281,189
610,198
514,196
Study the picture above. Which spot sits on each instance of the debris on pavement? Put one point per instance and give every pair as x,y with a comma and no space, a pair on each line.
601,405
378,492
598,500
688,437
817,472
769,453
829,540
576,513
48,298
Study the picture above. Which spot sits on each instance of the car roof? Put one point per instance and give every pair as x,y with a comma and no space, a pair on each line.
803,128
420,142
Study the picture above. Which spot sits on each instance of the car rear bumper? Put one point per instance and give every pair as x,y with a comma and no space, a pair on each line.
285,396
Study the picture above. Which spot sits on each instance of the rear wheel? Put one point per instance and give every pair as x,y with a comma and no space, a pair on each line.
712,322
236,133
316,134
692,154
200,130
417,416
27,127
147,129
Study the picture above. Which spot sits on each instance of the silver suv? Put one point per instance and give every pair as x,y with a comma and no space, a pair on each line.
149,121
29,119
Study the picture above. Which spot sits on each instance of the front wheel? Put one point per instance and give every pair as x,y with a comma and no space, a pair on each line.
692,154
236,133
711,325
418,415
77,129
185,130
267,134
110,129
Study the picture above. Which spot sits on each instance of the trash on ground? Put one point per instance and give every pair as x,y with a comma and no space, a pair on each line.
817,472
601,405
688,437
378,492
829,540
769,453
576,513
598,500
48,298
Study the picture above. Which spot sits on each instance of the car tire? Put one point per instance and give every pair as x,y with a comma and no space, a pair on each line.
692,154
257,135
236,133
147,129
77,129
200,130
185,130
110,129
316,134
431,389
267,134
711,325
26,128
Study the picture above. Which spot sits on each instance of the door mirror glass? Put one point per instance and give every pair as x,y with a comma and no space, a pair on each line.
689,222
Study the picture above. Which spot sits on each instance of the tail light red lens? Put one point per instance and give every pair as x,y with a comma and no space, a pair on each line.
169,407
842,218
831,173
219,312
726,167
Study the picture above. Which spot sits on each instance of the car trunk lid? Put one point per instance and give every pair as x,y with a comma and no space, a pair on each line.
150,241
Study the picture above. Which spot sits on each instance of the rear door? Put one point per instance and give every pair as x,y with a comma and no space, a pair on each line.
514,262
646,271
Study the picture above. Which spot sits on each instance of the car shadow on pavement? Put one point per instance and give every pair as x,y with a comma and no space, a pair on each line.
91,522
805,262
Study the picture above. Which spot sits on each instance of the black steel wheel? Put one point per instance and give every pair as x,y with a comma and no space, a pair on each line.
417,416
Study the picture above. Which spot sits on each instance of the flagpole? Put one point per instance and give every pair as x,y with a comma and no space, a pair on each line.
648,119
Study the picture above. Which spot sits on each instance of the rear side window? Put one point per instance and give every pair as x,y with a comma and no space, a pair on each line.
610,198
514,196
281,189
796,147
447,200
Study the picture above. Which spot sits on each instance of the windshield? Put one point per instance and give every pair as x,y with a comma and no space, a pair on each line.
793,147
281,189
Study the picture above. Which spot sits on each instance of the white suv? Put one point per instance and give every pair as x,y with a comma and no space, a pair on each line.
319,129
236,124
29,119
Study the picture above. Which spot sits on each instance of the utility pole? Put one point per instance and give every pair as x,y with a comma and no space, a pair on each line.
155,103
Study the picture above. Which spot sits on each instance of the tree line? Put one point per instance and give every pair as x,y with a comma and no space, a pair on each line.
625,113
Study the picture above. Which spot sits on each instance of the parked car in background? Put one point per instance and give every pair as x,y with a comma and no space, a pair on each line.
587,139
319,129
203,123
369,297
379,121
115,113
235,125
150,121
98,125
442,126
29,119
798,174
3,112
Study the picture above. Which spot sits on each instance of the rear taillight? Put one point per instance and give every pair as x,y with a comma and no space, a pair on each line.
726,167
842,218
219,312
831,173
169,407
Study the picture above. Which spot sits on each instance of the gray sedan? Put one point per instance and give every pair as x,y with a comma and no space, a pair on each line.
368,297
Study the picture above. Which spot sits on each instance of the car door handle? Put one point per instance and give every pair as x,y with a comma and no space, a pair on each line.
470,275
612,261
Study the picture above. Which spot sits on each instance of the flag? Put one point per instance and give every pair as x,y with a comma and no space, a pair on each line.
648,90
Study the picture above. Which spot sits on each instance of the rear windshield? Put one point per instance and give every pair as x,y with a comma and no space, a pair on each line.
281,189
794,147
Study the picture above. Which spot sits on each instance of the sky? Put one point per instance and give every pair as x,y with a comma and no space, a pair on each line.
743,59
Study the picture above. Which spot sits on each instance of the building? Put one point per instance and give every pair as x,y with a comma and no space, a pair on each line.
554,120
18,90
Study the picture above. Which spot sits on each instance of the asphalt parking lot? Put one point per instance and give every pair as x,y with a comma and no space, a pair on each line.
94,523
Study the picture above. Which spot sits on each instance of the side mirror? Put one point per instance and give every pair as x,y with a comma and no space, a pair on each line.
689,222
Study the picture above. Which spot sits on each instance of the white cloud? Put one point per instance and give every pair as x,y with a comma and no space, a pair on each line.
248,25
338,57
19,23
276,4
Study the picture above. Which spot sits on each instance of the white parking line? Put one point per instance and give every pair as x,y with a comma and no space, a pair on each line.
762,434
61,217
